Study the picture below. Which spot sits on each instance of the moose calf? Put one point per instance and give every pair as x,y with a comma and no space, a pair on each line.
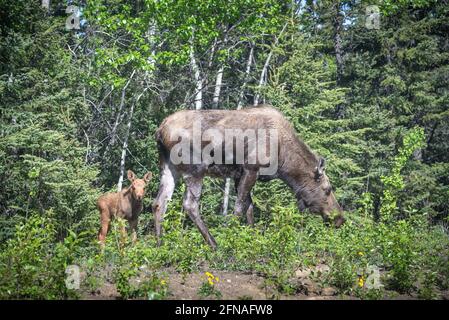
126,204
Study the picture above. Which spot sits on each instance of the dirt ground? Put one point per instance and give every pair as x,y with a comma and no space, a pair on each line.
232,286
237,286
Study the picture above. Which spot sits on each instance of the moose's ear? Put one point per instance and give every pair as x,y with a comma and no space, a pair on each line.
319,169
131,176
147,177
322,163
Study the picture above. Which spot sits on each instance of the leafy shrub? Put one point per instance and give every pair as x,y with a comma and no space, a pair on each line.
394,182
33,263
282,248
132,266
240,247
46,170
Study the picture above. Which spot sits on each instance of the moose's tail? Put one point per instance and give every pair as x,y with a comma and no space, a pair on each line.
164,154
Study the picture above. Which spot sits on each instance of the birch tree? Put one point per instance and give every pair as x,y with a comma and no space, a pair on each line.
227,186
266,65
46,4
198,95
125,141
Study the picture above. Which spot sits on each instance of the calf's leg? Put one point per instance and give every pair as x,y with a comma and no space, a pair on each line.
133,226
190,204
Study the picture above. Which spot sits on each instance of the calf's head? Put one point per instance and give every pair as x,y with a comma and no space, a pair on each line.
317,195
137,187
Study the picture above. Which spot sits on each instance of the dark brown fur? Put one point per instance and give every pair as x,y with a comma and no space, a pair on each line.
126,204
298,166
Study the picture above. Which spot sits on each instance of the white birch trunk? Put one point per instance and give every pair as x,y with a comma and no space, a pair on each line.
263,74
262,78
227,186
120,115
148,75
125,142
245,81
219,80
198,80
46,4
227,189
124,147
218,84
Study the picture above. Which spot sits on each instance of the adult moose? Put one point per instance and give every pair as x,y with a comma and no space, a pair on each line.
261,128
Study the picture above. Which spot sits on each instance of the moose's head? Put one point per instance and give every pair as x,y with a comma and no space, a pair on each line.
317,195
137,187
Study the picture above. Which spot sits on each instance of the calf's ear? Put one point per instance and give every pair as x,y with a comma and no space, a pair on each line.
147,177
131,176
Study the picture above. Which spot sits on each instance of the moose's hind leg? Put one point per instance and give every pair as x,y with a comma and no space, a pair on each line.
191,200
105,220
166,188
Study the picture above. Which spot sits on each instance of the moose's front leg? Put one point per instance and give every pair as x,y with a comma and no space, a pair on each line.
248,203
191,205
243,201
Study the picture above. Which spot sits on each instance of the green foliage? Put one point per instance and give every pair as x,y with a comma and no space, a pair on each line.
241,247
394,182
33,263
400,254
304,89
133,270
45,171
283,248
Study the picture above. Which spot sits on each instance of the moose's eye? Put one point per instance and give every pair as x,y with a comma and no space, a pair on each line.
328,191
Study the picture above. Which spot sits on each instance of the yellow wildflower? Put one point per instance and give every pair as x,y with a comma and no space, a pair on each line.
360,253
163,282
211,278
361,281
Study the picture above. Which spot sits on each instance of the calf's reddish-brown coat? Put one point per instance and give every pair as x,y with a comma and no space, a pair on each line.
126,204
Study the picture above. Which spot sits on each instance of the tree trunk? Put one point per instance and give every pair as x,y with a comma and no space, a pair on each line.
246,79
125,146
227,189
338,44
120,115
262,77
125,142
218,84
338,49
151,60
263,74
219,79
227,186
46,4
198,80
